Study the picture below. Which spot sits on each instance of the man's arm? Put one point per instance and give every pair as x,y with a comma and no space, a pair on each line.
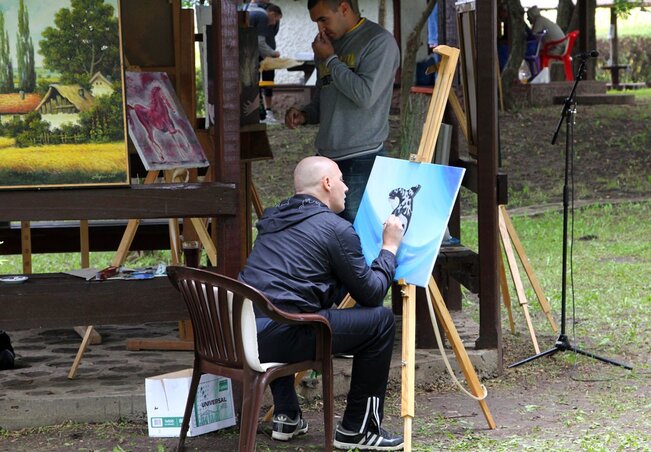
368,285
306,114
264,48
374,72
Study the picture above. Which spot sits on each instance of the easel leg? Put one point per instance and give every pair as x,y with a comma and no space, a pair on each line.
407,411
130,232
458,348
80,352
256,201
175,245
205,239
544,304
517,281
505,295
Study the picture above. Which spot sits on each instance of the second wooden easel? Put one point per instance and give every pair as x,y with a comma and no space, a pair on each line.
175,248
510,240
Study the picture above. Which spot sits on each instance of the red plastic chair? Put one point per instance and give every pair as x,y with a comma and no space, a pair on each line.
566,57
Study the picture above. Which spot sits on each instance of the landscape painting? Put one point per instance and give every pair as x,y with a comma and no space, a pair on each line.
158,126
422,196
61,103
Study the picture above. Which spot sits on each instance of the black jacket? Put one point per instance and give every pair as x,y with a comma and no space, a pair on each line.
306,257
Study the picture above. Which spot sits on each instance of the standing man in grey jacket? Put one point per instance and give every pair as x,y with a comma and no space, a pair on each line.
356,62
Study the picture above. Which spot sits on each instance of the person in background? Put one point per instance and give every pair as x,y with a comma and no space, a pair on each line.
552,32
265,18
306,258
356,62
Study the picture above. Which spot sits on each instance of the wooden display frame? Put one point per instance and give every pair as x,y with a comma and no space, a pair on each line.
221,199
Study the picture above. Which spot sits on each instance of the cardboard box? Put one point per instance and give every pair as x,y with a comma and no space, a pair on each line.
166,396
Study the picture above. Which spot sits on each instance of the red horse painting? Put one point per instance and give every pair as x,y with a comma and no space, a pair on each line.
157,125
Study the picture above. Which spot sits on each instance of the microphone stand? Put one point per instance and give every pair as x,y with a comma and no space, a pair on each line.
563,343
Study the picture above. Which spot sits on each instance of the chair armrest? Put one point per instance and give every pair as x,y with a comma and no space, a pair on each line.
281,316
318,322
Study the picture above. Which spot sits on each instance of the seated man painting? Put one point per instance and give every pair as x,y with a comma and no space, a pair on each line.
305,259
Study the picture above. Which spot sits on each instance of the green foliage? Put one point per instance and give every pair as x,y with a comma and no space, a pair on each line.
6,69
25,52
104,122
634,51
623,8
84,41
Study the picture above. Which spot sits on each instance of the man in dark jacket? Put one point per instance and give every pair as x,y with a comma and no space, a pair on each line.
305,259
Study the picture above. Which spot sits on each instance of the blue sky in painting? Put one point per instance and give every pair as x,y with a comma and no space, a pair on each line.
41,15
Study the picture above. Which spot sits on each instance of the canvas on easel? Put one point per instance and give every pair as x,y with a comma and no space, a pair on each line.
61,108
158,126
422,196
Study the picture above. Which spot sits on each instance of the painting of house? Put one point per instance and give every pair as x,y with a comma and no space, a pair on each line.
16,105
74,134
100,85
63,103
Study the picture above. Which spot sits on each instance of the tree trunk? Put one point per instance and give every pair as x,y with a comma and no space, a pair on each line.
516,52
565,14
409,63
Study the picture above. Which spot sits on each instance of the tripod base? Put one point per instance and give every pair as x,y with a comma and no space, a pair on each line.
563,344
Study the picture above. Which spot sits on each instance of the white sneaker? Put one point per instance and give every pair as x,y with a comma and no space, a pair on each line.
269,119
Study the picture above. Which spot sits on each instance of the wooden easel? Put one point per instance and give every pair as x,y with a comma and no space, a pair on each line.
508,235
170,25
510,240
440,95
118,260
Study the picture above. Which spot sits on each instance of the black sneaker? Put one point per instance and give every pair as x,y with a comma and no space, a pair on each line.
285,428
369,440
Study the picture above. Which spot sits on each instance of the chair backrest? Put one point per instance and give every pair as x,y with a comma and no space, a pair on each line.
222,316
572,36
534,45
568,40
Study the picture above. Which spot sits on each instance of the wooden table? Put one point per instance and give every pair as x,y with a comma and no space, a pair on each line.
57,300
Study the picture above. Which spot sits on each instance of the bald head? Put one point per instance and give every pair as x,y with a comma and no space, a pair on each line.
310,172
321,178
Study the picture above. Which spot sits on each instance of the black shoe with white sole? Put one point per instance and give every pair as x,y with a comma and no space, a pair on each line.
285,428
372,439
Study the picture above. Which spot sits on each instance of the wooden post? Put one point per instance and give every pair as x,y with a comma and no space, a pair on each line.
26,245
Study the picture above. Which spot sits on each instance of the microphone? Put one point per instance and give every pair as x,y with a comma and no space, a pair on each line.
589,54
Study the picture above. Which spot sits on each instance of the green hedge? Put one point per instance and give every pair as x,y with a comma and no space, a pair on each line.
635,51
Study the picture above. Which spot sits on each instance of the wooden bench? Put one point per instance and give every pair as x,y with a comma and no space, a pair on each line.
614,72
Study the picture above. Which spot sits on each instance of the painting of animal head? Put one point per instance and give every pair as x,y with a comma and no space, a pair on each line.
402,202
421,196
158,126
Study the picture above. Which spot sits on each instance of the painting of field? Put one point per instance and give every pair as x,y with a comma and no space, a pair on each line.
61,95
62,165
